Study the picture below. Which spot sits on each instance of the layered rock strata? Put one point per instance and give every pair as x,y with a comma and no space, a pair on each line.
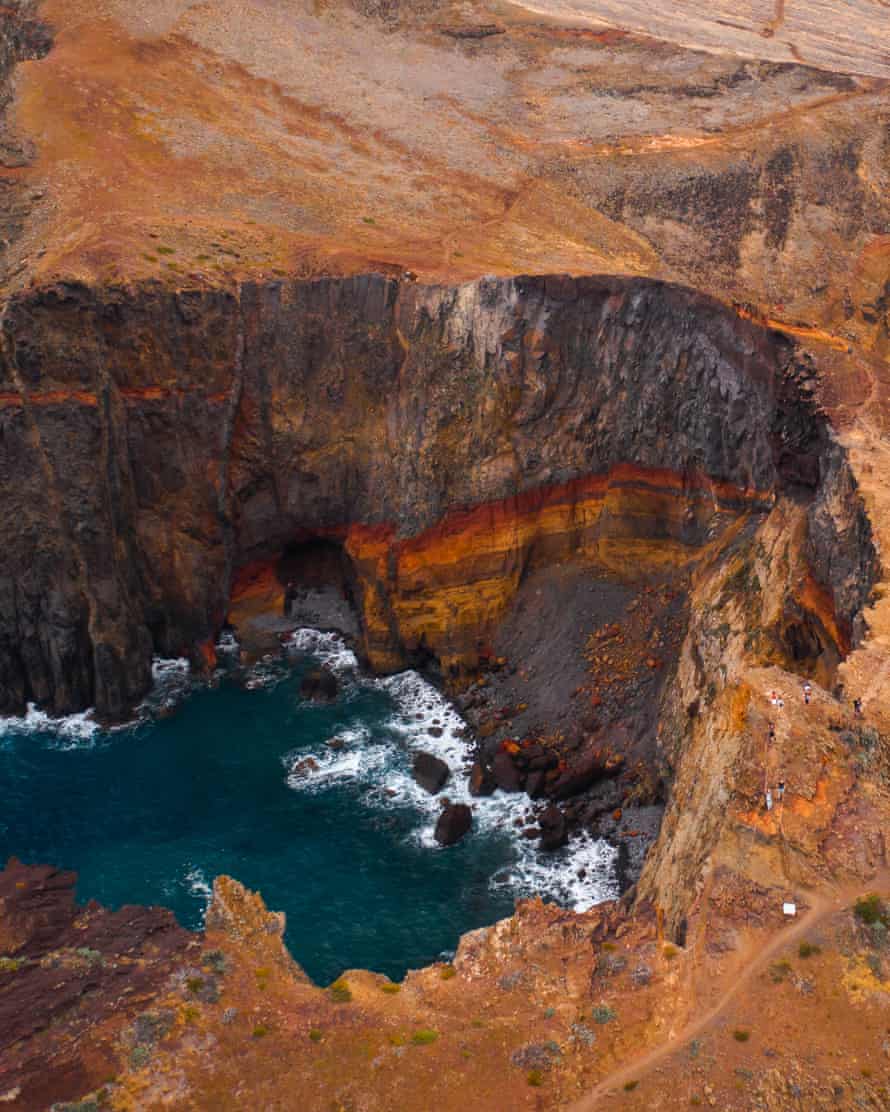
159,449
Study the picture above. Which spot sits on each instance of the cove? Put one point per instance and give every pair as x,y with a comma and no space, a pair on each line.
313,805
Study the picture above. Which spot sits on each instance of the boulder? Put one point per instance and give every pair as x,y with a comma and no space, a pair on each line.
583,771
430,772
481,779
554,833
534,784
506,775
320,685
454,822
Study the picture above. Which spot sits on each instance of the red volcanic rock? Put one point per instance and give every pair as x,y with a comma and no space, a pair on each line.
583,771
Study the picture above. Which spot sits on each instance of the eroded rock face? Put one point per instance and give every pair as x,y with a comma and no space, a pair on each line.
155,444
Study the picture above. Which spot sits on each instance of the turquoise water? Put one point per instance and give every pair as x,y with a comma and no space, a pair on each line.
151,813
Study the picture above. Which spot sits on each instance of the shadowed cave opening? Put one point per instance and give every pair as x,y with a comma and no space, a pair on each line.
319,585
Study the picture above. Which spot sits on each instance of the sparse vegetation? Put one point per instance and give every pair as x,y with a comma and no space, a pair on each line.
369,220
260,1031
424,1037
194,984
316,1035
139,1057
448,971
670,951
629,1086
871,910
190,1014
390,988
741,1035
535,1078
808,950
163,250
779,970
602,1013
10,965
340,992
216,961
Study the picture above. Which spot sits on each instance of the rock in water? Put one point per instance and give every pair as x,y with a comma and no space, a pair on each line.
506,774
430,772
554,834
481,780
320,685
454,822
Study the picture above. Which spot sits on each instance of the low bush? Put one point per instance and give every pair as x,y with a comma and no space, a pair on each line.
871,910
670,951
740,1035
260,1031
779,970
535,1077
139,1057
424,1037
602,1013
808,950
448,971
10,965
390,988
215,960
629,1086
315,1035
340,992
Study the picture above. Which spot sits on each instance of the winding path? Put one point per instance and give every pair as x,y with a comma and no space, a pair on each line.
822,905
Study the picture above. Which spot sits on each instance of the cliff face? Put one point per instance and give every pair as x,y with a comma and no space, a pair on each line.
157,447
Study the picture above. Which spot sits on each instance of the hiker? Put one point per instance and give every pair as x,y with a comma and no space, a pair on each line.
780,702
772,732
774,698
857,707
807,691
769,800
780,790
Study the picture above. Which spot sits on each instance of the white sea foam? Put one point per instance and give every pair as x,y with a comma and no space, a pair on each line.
328,648
72,731
424,719
198,886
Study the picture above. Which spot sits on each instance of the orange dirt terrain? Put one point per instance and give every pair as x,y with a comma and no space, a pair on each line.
264,264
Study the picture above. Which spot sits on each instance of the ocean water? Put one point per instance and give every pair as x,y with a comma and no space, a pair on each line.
314,805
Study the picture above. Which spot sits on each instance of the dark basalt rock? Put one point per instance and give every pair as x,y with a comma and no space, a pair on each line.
430,772
320,685
506,775
554,831
92,587
481,780
583,772
454,822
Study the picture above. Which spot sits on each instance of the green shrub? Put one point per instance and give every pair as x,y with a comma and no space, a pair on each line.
535,1077
740,1035
424,1037
260,1031
166,251
602,1013
10,965
670,951
194,984
340,992
216,961
808,950
190,1014
870,910
629,1086
779,970
139,1057
316,1035
448,971
390,989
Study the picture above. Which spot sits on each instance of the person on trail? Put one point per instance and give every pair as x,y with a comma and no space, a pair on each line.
780,790
807,691
857,707
769,800
780,702
772,732
774,698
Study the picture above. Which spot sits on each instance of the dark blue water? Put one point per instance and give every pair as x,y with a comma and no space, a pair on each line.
152,813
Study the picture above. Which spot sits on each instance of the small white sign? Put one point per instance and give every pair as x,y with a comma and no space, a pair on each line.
789,909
